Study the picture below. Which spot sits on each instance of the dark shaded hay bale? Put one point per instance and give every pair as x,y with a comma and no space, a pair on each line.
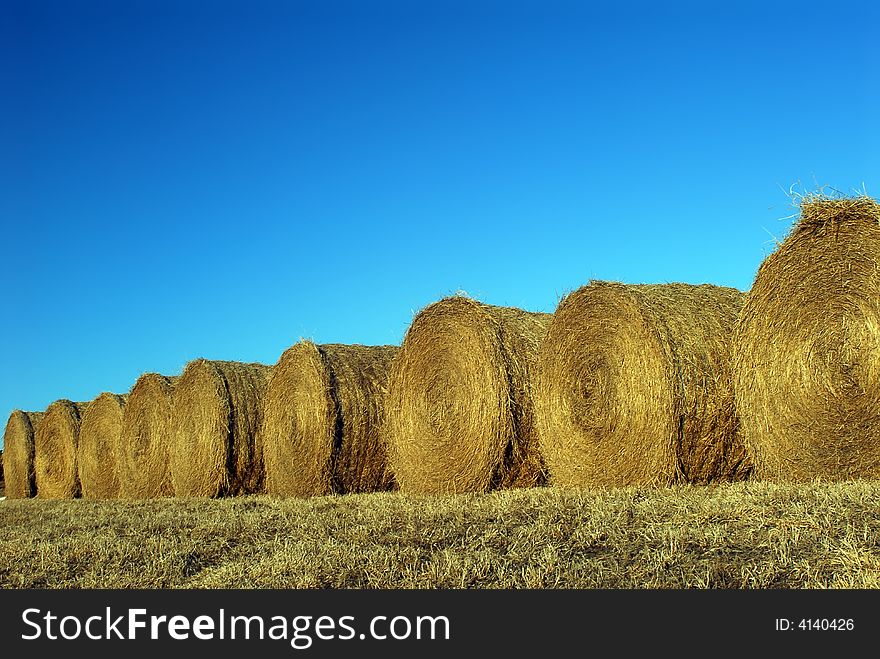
216,414
807,356
19,477
55,448
323,412
634,386
459,412
99,437
143,452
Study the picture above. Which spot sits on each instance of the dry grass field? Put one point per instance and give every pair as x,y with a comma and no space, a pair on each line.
747,535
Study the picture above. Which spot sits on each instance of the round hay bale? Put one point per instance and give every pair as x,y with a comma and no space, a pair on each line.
18,454
143,451
55,448
322,417
634,386
459,413
99,436
216,414
807,349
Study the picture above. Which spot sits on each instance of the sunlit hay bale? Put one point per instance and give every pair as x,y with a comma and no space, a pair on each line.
807,366
55,448
322,415
634,386
216,414
99,436
459,412
143,452
18,454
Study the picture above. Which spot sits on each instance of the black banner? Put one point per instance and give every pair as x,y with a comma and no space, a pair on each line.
433,623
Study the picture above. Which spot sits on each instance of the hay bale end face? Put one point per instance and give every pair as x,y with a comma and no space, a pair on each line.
807,355
55,450
459,415
634,387
19,476
99,436
143,452
216,412
322,416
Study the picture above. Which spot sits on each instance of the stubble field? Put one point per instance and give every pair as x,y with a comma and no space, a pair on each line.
746,535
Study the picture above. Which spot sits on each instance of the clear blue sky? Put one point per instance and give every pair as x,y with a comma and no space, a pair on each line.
219,179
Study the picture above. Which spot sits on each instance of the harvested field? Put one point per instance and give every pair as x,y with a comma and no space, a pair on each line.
19,477
743,535
634,387
99,437
55,449
216,414
143,452
459,414
807,365
323,410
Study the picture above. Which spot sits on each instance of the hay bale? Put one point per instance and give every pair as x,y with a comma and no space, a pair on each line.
18,454
634,386
216,414
55,448
322,415
807,355
459,413
99,436
143,451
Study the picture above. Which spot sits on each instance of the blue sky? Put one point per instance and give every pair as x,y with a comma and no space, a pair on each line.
219,179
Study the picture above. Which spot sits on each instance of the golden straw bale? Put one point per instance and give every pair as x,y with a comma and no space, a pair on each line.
55,448
459,413
807,364
143,452
216,414
18,454
634,386
322,415
99,436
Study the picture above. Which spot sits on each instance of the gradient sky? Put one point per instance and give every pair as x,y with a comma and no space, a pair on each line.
218,179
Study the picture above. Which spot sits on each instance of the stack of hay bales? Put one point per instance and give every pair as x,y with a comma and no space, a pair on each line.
634,386
323,413
99,437
624,385
143,452
459,411
807,357
18,454
55,450
216,412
